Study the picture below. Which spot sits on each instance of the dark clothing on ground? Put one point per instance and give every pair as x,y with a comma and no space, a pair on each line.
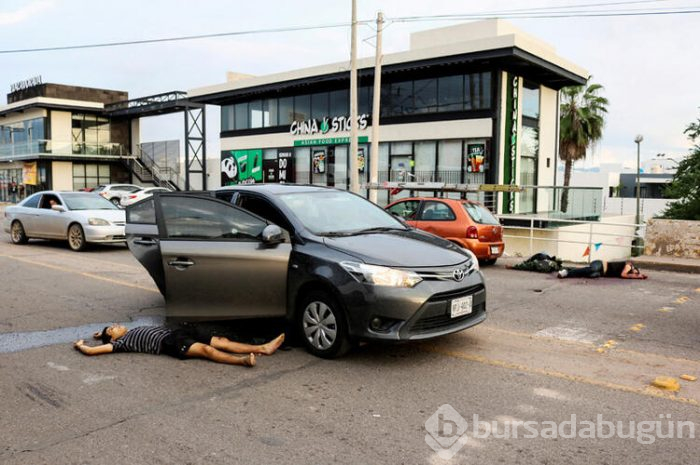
541,263
615,269
160,340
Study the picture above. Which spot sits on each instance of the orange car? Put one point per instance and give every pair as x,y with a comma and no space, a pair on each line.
466,223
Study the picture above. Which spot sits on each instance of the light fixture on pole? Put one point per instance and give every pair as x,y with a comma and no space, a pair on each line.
638,140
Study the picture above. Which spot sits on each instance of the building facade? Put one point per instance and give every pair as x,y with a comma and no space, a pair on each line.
59,137
475,103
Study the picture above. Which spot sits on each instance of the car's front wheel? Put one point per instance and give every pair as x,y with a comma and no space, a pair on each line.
17,233
76,238
322,325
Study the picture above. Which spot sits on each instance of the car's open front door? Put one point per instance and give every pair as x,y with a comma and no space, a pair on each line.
215,262
143,239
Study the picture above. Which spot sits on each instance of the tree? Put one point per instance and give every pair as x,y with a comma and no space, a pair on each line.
582,117
685,185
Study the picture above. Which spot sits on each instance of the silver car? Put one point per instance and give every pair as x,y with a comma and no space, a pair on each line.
78,217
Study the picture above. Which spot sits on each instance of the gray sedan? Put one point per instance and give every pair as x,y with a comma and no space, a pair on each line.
78,217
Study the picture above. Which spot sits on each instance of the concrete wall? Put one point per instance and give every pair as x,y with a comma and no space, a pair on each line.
27,115
570,242
62,176
676,238
549,114
61,132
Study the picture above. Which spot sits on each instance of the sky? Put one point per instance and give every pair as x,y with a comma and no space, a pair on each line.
647,64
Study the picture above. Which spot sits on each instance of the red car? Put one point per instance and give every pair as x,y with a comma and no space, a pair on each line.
466,223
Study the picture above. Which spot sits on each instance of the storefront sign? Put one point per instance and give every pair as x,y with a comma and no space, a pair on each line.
29,174
285,164
241,167
511,145
361,160
318,162
329,141
326,125
26,84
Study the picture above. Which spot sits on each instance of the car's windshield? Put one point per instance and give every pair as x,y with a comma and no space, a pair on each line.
87,201
480,214
338,213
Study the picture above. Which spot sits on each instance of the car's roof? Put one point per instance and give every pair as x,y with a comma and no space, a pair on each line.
277,189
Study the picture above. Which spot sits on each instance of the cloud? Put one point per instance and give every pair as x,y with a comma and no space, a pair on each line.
26,12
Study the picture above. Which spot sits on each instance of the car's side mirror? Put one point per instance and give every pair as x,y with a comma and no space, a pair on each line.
272,235
58,208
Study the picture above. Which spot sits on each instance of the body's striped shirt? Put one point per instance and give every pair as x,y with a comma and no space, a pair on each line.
145,339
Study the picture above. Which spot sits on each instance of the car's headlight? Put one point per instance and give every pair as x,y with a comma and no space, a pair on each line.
97,222
381,275
475,261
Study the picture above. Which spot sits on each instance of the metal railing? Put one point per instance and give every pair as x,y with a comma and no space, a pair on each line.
633,241
165,97
44,147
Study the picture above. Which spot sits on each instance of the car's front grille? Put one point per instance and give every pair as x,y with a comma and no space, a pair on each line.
443,273
436,322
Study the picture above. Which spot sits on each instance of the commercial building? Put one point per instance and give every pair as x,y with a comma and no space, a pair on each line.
475,103
61,137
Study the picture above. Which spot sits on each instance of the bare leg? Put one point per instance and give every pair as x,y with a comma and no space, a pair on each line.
199,350
228,345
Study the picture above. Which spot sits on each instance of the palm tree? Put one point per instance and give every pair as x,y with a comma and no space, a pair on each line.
581,124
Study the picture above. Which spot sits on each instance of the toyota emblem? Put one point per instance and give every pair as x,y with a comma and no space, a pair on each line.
458,274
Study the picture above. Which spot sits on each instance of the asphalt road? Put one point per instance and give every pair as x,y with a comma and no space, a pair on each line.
549,349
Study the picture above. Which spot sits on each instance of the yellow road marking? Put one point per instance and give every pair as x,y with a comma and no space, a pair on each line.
638,327
682,299
581,343
559,375
81,273
666,309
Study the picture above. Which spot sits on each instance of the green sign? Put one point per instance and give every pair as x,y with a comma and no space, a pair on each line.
241,167
329,141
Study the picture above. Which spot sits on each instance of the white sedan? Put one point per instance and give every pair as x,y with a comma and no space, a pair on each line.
133,197
78,217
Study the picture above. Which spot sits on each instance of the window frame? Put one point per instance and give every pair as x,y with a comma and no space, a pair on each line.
427,202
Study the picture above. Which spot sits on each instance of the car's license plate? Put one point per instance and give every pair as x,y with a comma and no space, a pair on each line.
461,306
494,249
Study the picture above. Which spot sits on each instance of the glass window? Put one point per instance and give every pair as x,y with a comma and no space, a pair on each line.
87,201
339,103
302,107
302,157
402,98
240,111
449,161
424,161
425,91
531,100
436,211
32,202
286,111
477,91
91,170
142,213
406,209
227,118
402,148
479,214
451,93
197,218
103,171
270,113
386,102
319,105
270,154
366,94
78,169
256,114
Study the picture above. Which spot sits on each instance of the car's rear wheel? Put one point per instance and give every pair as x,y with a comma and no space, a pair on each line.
17,234
322,325
76,238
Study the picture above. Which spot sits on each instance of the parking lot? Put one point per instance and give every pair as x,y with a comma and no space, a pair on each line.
548,350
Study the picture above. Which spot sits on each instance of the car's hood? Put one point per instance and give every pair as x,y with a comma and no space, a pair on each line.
109,215
410,248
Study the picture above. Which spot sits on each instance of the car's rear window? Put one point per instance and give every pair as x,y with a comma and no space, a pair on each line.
480,214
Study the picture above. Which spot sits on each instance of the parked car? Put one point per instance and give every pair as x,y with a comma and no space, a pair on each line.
133,197
464,222
338,267
78,217
114,192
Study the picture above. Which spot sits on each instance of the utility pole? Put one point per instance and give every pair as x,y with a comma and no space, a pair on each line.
374,150
354,175
638,140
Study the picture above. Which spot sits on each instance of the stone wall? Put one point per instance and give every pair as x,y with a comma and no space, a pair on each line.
675,238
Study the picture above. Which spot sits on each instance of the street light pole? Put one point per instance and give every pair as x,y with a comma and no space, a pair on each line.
638,140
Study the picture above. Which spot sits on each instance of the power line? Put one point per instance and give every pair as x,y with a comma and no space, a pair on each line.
179,38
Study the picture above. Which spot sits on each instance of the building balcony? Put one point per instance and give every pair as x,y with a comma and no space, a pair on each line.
43,148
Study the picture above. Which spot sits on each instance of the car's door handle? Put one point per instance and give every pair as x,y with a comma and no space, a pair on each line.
145,241
181,263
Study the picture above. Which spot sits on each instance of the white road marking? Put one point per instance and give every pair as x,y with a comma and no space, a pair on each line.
57,367
94,379
549,393
570,334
